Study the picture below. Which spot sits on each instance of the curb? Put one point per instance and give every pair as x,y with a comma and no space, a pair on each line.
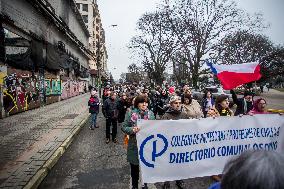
47,166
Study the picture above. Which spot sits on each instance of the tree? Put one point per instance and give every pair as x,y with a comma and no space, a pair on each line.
180,68
272,65
153,44
122,77
134,73
200,25
244,46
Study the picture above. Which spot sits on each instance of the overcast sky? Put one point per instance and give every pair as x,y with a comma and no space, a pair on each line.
125,13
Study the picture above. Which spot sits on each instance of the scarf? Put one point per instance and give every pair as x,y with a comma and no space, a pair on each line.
138,114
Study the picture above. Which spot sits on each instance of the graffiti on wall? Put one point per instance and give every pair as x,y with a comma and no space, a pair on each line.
52,87
23,90
72,88
3,73
20,90
83,87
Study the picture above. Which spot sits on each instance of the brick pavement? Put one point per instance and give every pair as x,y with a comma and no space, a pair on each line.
30,138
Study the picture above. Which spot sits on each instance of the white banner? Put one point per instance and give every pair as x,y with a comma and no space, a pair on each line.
180,149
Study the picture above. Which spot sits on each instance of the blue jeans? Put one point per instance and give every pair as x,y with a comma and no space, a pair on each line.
93,119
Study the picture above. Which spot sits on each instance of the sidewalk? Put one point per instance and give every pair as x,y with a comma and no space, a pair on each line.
33,141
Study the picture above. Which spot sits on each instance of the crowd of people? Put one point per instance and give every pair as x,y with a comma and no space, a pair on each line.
123,105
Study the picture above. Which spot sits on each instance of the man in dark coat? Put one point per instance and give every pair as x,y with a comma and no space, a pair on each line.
110,112
174,112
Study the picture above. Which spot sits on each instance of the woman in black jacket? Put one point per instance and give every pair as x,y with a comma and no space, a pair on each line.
162,103
122,108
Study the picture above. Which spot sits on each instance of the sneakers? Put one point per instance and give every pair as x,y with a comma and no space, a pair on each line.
91,128
107,140
114,140
180,184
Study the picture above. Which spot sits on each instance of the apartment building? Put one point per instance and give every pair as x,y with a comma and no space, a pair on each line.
91,16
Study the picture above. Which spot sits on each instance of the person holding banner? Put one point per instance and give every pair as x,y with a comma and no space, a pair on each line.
221,109
175,113
140,111
259,107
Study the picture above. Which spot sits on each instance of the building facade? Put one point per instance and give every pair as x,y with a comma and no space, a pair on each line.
45,53
91,16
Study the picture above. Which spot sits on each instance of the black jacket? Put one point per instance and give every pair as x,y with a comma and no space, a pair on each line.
110,110
163,100
153,103
240,102
94,104
122,106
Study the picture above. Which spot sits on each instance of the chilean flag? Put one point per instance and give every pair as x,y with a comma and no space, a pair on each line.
234,75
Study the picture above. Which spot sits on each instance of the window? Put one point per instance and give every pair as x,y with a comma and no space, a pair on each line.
85,18
78,5
85,7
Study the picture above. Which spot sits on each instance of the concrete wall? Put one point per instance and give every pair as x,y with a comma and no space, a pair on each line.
24,16
28,19
66,12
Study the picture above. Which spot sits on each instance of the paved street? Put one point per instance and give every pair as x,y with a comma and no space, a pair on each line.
275,99
29,139
90,163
